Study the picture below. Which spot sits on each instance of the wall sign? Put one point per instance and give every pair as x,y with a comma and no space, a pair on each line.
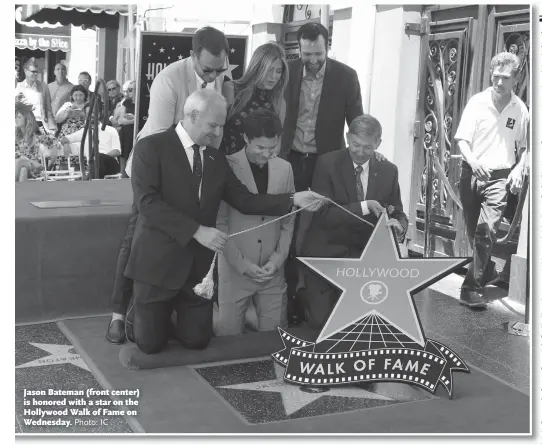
42,42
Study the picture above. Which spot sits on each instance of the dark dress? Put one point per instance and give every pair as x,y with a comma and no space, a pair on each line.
126,132
232,140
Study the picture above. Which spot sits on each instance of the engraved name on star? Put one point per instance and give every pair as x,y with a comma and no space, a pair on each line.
294,398
59,355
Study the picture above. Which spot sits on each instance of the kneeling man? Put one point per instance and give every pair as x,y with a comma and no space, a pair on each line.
354,179
252,264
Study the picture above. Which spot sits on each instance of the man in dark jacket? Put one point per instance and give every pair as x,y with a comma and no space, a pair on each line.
321,95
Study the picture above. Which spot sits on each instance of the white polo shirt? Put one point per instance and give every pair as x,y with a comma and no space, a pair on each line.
493,135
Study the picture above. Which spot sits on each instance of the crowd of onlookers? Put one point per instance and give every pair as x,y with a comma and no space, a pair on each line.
50,121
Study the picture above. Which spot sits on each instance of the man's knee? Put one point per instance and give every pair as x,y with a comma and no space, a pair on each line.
196,341
150,347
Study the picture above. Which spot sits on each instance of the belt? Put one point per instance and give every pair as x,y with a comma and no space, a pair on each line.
501,173
304,155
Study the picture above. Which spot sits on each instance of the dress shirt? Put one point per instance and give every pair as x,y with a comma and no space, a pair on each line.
38,96
60,94
108,140
365,182
309,101
187,144
199,81
261,176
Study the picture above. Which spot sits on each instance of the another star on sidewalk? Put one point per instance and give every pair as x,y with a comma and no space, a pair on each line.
60,354
294,397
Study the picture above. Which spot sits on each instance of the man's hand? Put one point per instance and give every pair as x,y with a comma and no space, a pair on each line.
380,157
270,269
480,171
374,207
211,238
256,273
307,198
515,180
397,227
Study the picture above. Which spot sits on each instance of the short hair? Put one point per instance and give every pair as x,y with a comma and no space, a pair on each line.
311,31
62,66
80,88
366,125
506,59
202,99
211,39
85,73
262,123
127,84
114,82
30,63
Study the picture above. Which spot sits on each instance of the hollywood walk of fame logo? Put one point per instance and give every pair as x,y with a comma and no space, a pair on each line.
377,337
59,355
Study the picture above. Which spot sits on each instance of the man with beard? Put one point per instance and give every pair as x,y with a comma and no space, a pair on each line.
321,95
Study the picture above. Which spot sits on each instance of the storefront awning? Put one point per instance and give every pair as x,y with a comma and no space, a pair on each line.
42,42
101,16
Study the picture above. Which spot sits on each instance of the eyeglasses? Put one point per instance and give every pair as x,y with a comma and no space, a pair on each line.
210,70
112,89
33,71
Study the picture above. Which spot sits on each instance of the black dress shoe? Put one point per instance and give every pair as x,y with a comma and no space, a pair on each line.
472,299
115,332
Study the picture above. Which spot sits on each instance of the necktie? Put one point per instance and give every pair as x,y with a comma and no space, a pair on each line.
204,85
197,170
359,185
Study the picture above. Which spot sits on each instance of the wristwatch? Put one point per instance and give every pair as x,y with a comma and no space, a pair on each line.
292,204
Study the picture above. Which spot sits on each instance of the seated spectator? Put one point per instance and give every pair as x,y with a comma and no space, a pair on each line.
37,93
124,118
72,115
108,148
252,266
31,144
115,96
262,86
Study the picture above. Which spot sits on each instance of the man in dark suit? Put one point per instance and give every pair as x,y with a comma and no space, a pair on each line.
354,179
321,95
178,181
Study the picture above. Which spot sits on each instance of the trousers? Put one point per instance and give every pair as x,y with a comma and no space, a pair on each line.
123,286
484,203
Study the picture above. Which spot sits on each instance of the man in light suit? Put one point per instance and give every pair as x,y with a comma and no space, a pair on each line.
179,181
252,265
203,69
356,180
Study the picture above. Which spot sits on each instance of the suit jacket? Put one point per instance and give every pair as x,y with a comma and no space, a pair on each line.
340,100
163,249
335,233
168,94
268,243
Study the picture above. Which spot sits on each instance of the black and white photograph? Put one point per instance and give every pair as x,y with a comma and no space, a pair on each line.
263,219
